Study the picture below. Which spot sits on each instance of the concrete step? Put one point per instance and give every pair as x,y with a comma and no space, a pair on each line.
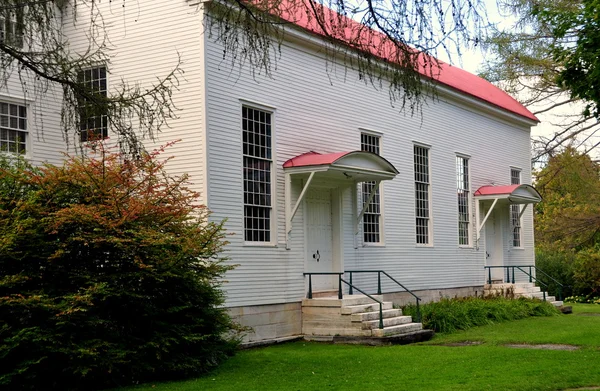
557,303
371,307
373,324
348,300
366,316
399,329
322,331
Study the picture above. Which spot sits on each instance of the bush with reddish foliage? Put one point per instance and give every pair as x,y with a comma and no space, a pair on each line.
110,275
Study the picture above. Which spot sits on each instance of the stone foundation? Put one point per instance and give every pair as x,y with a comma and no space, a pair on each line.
275,322
269,322
430,295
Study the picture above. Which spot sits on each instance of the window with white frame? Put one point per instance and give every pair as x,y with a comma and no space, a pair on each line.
257,139
11,28
13,128
515,210
372,215
463,192
422,195
93,112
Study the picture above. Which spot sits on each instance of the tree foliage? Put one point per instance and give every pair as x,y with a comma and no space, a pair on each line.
567,221
110,275
536,60
569,216
37,50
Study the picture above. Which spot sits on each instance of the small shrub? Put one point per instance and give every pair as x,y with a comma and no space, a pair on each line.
582,299
450,315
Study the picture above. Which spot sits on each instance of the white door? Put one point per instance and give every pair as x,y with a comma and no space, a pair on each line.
319,238
493,245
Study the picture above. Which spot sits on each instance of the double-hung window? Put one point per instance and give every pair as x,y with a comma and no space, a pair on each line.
422,195
372,215
13,128
11,27
93,110
257,166
515,210
463,193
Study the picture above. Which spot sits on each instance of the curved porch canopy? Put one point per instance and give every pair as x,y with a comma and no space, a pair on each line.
337,169
511,194
514,194
357,166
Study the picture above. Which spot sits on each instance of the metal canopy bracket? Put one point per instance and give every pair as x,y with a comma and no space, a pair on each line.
366,205
489,212
289,212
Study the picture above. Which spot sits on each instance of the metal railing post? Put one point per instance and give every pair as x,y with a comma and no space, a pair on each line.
350,291
513,279
507,275
340,295
418,311
379,283
489,275
310,286
530,276
544,295
380,316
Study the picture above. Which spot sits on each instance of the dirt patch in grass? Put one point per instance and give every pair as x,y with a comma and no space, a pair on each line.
589,314
543,346
462,343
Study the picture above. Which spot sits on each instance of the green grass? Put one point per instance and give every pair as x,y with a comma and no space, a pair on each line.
426,366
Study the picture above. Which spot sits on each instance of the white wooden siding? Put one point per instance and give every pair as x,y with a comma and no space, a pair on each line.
145,41
321,111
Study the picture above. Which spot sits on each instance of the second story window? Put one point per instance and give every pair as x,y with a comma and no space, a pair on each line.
422,195
257,140
11,28
372,215
463,193
93,112
515,210
13,128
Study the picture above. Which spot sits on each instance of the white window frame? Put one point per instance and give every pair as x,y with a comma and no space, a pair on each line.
378,198
22,126
465,187
103,117
429,218
516,231
272,234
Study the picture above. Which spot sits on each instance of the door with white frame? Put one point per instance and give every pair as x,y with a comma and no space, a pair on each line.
319,238
493,244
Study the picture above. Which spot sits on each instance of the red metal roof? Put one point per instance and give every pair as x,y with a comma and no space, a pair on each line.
495,190
379,45
313,159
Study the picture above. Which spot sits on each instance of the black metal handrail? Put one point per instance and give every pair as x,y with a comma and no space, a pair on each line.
379,273
340,293
532,278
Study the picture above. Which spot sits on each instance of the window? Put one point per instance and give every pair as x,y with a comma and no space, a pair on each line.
257,138
13,128
422,183
463,194
372,215
11,29
515,210
93,112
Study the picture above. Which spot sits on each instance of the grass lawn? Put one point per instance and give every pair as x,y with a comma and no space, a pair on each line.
489,365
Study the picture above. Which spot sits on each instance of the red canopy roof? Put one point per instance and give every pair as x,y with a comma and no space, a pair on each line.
313,159
358,35
495,190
